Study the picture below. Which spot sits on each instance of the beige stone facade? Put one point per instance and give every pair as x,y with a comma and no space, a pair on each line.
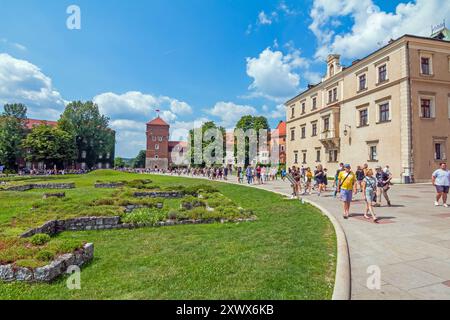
390,108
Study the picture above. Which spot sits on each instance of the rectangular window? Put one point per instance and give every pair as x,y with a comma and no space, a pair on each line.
303,132
314,103
317,155
156,146
296,157
438,151
292,134
425,108
330,96
363,118
332,155
326,124
304,157
303,108
373,153
335,98
384,112
314,129
362,82
425,65
382,73
292,112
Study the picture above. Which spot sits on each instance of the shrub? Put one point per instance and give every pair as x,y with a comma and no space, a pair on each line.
103,202
45,255
59,246
40,239
172,215
145,215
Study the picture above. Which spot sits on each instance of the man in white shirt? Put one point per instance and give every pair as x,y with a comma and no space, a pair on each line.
441,180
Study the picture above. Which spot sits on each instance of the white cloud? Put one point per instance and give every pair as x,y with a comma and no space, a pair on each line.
135,104
273,74
264,19
229,113
279,112
372,27
8,44
23,82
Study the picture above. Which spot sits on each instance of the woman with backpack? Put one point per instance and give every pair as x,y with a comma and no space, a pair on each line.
369,187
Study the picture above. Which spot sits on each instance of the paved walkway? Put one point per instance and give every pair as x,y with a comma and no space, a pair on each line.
410,246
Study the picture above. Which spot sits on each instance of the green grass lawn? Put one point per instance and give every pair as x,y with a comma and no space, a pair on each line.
288,253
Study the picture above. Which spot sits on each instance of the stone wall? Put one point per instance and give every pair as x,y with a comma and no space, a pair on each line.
54,195
159,194
109,223
109,185
41,186
76,224
49,272
131,207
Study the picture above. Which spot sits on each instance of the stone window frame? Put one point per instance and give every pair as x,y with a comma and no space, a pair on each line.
157,146
443,142
303,131
333,155
292,134
304,157
326,120
293,111
318,155
358,114
314,129
370,146
378,65
314,102
429,55
303,106
295,157
360,89
427,96
380,103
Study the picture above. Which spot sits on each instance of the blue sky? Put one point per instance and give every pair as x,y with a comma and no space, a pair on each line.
194,60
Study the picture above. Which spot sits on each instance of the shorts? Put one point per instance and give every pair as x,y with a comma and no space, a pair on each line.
370,193
442,189
346,195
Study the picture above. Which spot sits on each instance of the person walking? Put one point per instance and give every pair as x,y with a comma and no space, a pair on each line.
369,187
441,180
319,176
359,178
308,181
383,186
336,178
347,188
249,174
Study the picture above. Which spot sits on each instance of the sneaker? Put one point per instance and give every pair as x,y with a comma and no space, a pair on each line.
445,205
436,204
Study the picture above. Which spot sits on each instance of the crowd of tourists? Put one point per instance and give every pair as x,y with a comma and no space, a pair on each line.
372,184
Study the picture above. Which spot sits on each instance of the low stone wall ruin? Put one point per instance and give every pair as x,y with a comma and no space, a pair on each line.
49,272
109,185
27,187
159,194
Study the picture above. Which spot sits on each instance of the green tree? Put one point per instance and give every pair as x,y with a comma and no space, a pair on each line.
50,145
198,150
139,161
89,129
12,132
119,162
247,123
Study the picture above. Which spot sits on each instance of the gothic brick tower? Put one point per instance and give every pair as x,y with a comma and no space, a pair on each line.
157,156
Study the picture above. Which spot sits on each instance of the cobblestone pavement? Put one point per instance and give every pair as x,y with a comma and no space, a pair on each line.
410,247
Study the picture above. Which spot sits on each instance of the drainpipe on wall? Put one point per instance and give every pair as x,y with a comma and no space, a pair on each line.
410,177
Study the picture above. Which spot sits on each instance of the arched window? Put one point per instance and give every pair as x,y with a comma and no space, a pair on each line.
331,70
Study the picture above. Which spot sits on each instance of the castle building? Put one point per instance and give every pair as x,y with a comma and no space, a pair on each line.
389,108
161,152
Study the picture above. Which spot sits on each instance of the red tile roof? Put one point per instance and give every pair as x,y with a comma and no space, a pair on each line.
30,123
281,128
158,122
